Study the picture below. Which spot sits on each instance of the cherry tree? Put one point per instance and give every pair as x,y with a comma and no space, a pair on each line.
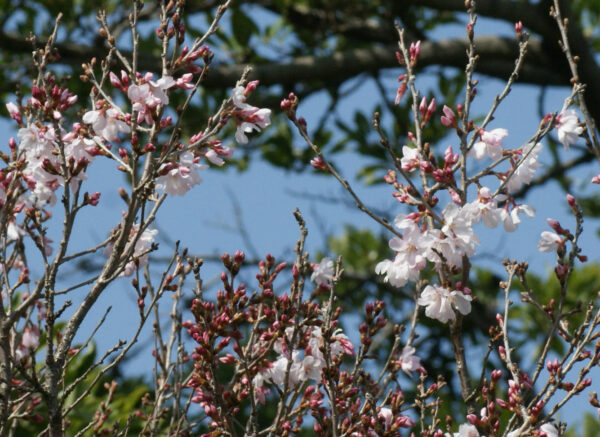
277,357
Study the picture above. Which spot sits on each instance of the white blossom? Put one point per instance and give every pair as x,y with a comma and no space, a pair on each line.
107,123
410,158
465,430
484,208
549,429
490,144
408,360
549,242
411,254
439,303
250,117
458,225
323,272
568,127
140,251
526,167
176,179
511,220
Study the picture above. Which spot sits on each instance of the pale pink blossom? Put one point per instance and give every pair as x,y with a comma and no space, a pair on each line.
30,341
107,123
409,361
148,95
178,178
410,158
549,430
549,242
31,337
141,249
485,209
458,225
490,144
526,167
568,127
254,121
411,254
323,272
439,303
511,220
14,112
250,118
387,415
465,430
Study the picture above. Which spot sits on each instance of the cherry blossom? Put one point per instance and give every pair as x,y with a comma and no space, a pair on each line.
107,123
548,430
249,118
411,254
567,124
549,242
526,168
465,430
410,158
141,249
148,95
490,144
306,364
215,152
485,209
323,272
439,303
511,220
408,360
176,179
30,341
458,225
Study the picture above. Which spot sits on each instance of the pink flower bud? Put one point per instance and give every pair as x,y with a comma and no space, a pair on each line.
455,197
423,106
318,163
400,92
571,200
518,27
556,227
561,271
238,257
114,80
430,109
251,86
596,179
414,50
94,198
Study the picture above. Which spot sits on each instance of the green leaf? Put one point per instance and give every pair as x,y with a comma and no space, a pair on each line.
243,27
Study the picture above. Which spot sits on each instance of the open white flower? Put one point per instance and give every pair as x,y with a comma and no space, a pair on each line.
439,302
176,179
549,242
410,158
526,167
107,123
568,127
549,429
409,361
490,144
323,272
